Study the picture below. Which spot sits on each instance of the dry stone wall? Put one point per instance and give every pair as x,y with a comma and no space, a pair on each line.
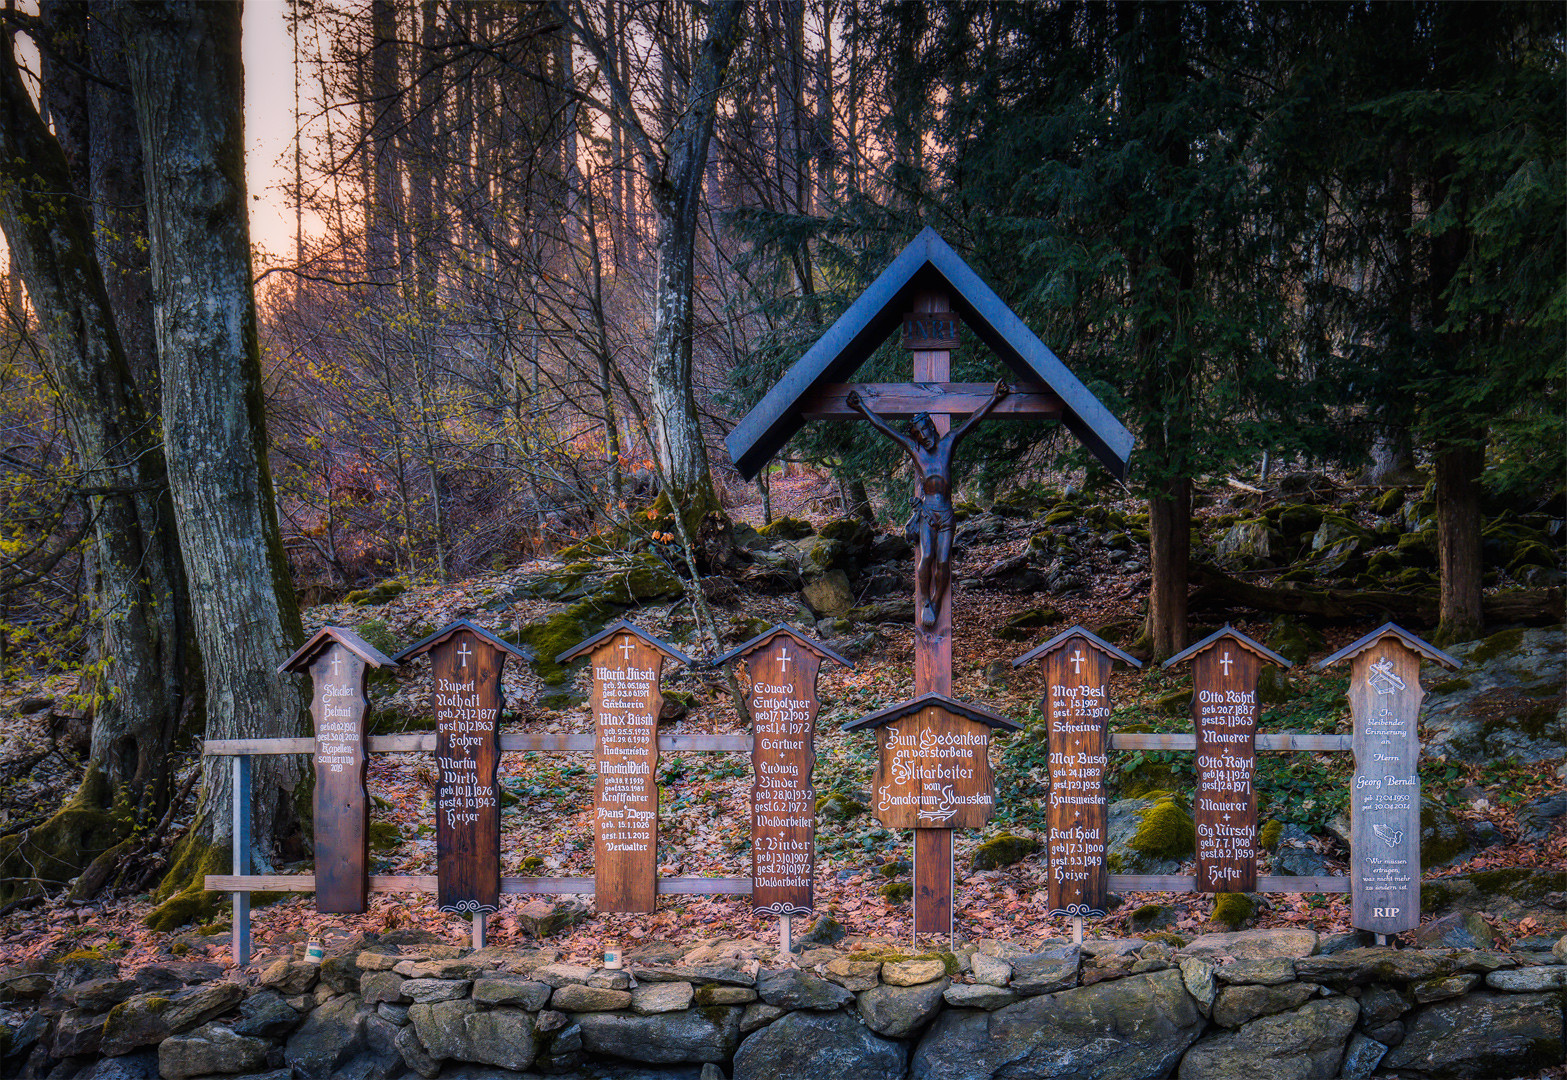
1243,1005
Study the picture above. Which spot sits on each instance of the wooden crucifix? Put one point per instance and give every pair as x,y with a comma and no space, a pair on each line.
1225,667
338,662
466,695
1384,700
926,291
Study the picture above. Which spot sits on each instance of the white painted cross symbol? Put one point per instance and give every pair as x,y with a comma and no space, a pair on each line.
783,658
1226,662
463,653
337,663
627,647
1077,662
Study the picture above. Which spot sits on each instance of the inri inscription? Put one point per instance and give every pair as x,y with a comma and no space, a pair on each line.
626,704
1077,707
783,802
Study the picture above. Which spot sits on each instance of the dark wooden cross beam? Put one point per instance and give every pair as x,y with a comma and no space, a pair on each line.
900,401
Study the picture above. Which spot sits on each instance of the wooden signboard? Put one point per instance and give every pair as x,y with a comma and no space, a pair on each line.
933,767
338,661
1384,699
627,666
782,665
465,672
1076,707
1225,667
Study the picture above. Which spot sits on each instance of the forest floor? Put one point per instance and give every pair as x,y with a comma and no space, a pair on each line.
704,804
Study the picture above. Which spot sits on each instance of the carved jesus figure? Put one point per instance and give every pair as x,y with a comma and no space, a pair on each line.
933,524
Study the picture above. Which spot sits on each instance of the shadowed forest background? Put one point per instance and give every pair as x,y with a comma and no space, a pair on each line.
549,253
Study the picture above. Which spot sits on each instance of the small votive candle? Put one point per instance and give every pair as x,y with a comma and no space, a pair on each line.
612,959
314,953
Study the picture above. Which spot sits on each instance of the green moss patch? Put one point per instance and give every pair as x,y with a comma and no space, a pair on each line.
184,898
896,892
1003,850
1508,641
1232,910
1166,832
383,593
787,528
1270,835
556,633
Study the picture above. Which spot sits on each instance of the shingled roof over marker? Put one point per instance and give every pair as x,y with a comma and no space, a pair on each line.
965,709
926,265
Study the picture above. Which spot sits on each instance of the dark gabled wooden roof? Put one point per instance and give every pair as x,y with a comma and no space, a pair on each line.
324,639
1074,632
623,627
908,708
1228,631
445,632
1415,644
927,263
811,644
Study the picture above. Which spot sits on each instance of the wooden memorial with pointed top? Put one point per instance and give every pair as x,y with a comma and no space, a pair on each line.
933,772
627,666
1384,699
338,662
465,673
1225,666
1076,707
782,665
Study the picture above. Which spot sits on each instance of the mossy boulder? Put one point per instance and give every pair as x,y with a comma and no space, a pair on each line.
385,836
1270,834
1003,850
639,579
1022,625
1166,831
855,534
1174,702
900,610
1294,640
1389,502
554,634
1150,917
787,528
1295,520
896,892
1417,548
383,593
1442,836
1508,702
1149,835
1512,893
1231,911
1250,544
837,806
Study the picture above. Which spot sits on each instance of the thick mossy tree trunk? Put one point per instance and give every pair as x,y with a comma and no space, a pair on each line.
187,81
1169,553
138,688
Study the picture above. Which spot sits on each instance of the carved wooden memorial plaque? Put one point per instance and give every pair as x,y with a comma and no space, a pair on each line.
933,769
626,704
338,661
1385,695
1224,709
341,805
783,756
1077,709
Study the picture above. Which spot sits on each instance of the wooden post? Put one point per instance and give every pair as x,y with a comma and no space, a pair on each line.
338,661
478,929
933,871
241,819
1384,699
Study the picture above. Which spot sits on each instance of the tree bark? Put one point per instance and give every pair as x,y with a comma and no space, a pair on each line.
187,81
1169,551
138,691
1458,526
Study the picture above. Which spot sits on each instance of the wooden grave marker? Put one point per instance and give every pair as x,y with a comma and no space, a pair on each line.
1384,699
1225,666
465,673
1076,707
933,773
782,665
627,665
925,291
338,661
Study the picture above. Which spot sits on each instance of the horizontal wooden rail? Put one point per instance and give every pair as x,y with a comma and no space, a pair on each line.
900,401
425,742
512,886
1281,883
1264,742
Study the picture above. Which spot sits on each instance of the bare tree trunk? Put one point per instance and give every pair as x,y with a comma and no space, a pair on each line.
187,80
1458,527
123,483
1169,551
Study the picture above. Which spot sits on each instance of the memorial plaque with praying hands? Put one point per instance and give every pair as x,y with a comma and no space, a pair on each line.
1384,699
1076,706
782,665
465,670
338,661
1225,666
627,666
